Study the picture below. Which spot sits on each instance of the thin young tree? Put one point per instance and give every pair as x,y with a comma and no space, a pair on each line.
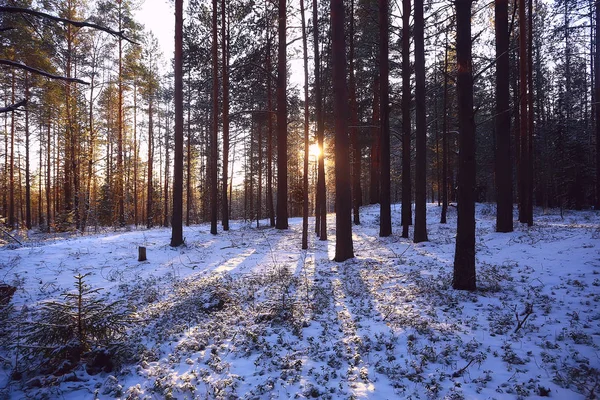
225,66
385,221
343,200
215,124
177,217
420,232
504,220
281,221
306,155
464,256
321,200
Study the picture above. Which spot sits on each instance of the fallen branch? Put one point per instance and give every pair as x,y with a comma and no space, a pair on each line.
13,107
11,236
16,64
527,313
79,24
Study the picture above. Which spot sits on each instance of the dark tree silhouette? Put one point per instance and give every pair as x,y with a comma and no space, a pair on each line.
343,200
420,233
385,221
504,217
281,221
464,256
406,183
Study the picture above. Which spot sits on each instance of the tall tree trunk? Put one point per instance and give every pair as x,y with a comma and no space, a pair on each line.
282,186
343,201
135,154
321,198
504,184
597,97
306,147
215,125
188,164
420,233
177,218
260,168
530,115
27,160
406,128
225,55
150,195
354,141
523,119
270,205
375,145
385,219
11,196
464,256
445,139
120,170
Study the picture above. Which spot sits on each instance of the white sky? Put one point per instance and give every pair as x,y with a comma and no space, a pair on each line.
158,16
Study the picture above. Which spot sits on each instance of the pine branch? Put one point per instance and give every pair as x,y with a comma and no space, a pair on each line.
13,107
19,65
79,24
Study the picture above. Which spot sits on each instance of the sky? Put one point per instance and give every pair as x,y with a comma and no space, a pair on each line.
158,16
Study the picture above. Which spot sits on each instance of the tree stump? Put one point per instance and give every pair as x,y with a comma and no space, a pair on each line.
141,253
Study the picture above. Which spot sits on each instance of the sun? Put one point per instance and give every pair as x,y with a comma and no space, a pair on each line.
314,151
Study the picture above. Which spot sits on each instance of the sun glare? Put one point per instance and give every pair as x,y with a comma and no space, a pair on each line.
314,151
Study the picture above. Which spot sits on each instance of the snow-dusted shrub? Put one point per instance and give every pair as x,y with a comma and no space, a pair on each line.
80,328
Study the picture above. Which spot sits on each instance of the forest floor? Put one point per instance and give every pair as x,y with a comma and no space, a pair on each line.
247,314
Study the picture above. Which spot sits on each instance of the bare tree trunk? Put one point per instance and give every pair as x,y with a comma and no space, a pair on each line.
504,185
321,198
282,185
530,116
464,256
306,155
177,219
523,121
375,145
406,126
385,221
354,141
343,201
188,164
27,161
597,97
445,139
149,196
215,126
225,55
11,196
270,205
420,233
120,170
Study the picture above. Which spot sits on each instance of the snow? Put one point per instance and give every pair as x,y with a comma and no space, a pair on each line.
247,314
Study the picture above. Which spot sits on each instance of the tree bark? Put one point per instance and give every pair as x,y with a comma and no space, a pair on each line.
504,184
420,233
464,256
215,125
445,140
406,126
225,55
343,200
354,140
385,219
321,198
282,185
597,97
177,218
375,146
306,146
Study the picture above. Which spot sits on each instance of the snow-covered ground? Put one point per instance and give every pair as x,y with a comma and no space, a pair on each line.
247,314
